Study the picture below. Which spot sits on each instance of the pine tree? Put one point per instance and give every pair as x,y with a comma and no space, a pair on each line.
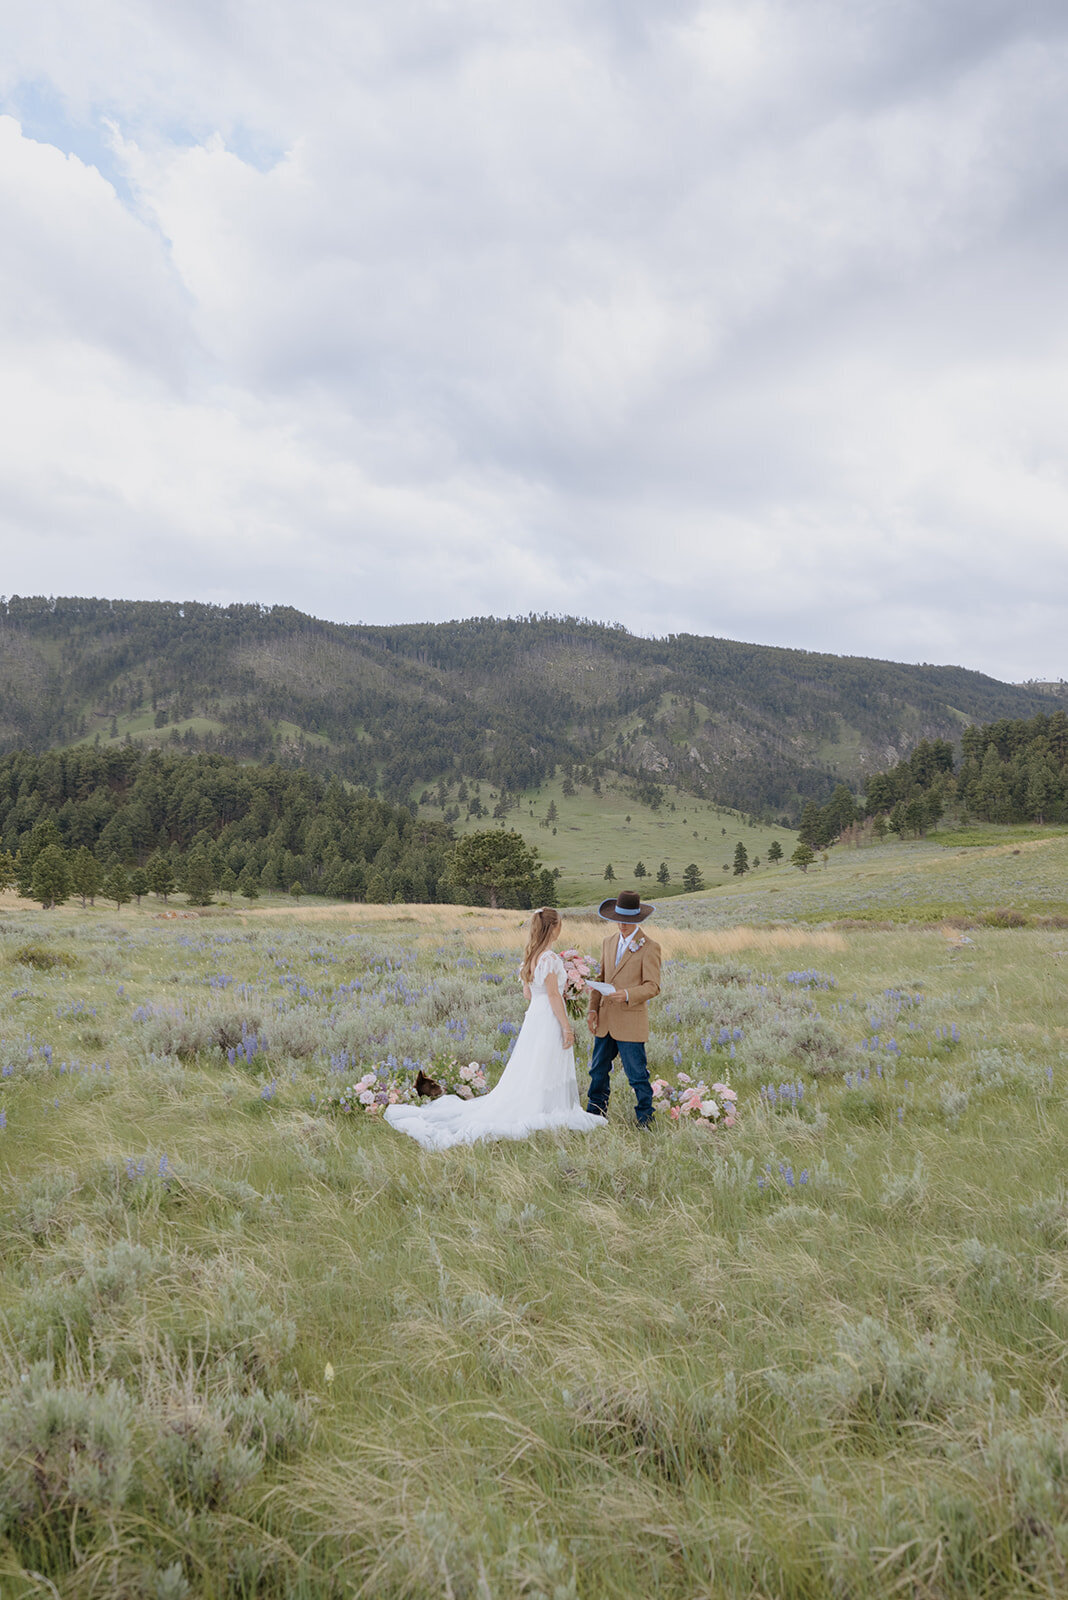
881,793
116,886
86,875
609,875
775,851
51,877
138,883
493,868
42,834
198,879
838,814
1039,788
545,892
247,884
741,859
810,830
160,875
377,890
692,880
990,796
803,857
228,883
663,876
7,870
641,870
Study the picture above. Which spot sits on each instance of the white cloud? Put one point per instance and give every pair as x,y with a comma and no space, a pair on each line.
735,317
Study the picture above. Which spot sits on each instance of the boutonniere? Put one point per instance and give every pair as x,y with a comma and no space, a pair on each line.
639,944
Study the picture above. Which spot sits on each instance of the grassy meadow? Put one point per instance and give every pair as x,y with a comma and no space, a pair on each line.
251,1347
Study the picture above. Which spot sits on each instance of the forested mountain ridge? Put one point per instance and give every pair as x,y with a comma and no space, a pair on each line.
505,700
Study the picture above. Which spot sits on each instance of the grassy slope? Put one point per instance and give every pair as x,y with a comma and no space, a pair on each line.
578,1367
917,882
592,831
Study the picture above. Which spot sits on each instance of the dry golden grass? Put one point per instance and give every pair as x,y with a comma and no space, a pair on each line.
730,941
436,919
494,930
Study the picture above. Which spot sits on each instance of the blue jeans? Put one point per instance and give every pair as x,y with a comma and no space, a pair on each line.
632,1055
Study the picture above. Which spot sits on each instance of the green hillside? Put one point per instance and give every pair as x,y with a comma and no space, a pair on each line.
1006,878
509,703
595,830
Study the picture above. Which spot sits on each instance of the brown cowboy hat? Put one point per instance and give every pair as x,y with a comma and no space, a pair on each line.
626,906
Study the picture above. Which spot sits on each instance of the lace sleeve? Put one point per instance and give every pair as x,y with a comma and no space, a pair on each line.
549,962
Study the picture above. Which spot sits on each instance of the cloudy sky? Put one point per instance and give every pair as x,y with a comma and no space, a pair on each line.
743,317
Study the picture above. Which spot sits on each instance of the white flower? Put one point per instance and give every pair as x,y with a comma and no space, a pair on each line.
709,1109
367,1098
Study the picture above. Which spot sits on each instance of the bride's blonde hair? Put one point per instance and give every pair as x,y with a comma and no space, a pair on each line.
543,926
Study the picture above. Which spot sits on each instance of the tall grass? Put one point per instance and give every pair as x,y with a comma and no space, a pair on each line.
250,1349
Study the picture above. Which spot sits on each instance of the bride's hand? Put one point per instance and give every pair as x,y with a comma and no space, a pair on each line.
569,1037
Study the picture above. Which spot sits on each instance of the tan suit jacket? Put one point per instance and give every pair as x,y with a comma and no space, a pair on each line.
639,973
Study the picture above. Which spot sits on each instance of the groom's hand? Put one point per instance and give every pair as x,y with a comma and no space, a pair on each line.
591,1023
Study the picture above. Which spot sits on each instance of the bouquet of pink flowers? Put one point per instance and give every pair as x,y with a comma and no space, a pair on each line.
691,1100
378,1088
384,1086
576,993
466,1079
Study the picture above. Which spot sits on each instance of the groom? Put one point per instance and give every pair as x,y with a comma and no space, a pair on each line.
619,1021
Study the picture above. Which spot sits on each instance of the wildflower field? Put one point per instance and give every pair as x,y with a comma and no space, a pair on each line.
253,1343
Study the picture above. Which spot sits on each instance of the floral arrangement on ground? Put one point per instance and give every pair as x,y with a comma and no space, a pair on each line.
389,1085
692,1100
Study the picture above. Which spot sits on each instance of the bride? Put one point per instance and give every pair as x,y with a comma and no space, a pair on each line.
537,1088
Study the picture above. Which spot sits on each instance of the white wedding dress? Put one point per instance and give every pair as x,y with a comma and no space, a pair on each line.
537,1088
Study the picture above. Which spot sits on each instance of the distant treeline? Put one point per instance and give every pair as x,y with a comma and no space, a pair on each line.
1010,771
202,822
